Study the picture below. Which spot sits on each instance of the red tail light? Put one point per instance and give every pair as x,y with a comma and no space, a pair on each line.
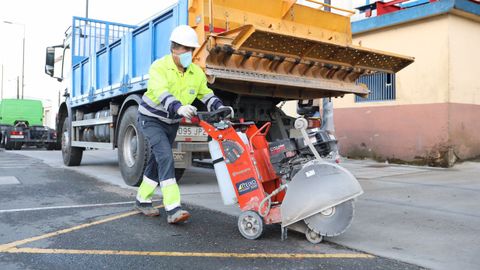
195,120
16,132
314,123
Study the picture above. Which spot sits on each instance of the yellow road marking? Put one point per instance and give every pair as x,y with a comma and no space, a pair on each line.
13,248
7,246
193,254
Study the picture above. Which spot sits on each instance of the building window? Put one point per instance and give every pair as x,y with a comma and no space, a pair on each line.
381,86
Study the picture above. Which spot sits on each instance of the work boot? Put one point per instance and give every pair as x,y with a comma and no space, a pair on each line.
178,217
147,209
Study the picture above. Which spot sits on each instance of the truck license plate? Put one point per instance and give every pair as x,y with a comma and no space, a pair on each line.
178,156
16,136
192,133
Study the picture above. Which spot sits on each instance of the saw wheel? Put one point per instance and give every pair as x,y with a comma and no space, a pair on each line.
313,237
332,221
250,224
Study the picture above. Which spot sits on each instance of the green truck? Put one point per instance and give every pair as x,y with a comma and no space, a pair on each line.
21,123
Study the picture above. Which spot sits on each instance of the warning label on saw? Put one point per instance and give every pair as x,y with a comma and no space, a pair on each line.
246,186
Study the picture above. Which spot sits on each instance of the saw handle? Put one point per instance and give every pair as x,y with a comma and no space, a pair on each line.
259,132
217,115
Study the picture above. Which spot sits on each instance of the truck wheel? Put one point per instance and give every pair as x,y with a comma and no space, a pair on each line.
8,144
17,146
58,145
51,146
179,173
72,156
132,148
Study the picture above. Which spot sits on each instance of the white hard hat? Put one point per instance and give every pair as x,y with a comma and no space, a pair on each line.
185,35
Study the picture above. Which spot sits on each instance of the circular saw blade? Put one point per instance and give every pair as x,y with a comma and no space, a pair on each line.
333,221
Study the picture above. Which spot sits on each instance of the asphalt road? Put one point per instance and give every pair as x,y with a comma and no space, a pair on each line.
55,218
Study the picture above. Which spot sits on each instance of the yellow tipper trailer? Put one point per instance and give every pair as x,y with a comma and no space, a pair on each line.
283,49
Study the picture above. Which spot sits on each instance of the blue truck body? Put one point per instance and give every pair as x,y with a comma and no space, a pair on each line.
246,59
112,59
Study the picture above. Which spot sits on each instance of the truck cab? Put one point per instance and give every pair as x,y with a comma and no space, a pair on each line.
21,123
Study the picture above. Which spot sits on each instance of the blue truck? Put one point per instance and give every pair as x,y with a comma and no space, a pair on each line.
256,54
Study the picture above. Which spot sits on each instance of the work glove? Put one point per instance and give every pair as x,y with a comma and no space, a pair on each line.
187,111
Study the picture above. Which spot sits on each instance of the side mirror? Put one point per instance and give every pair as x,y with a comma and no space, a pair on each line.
54,61
50,61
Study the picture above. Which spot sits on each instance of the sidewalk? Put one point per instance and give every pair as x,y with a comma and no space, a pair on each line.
426,216
421,215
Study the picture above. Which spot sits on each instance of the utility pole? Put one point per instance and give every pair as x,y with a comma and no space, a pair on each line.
23,63
18,88
86,9
1,92
23,56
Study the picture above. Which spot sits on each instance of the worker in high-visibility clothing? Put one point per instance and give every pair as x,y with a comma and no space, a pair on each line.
174,83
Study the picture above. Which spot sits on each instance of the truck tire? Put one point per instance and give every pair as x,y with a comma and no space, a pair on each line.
72,156
17,146
58,145
51,146
8,144
179,173
133,150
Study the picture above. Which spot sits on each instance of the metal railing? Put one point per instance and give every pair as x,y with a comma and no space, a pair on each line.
381,86
89,35
328,7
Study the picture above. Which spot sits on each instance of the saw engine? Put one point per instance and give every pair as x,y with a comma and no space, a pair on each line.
288,156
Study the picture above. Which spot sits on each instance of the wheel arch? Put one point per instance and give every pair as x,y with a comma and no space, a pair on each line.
63,112
131,100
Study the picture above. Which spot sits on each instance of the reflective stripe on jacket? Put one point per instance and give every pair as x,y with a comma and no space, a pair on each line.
168,89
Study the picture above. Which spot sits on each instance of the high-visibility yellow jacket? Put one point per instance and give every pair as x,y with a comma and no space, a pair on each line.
168,89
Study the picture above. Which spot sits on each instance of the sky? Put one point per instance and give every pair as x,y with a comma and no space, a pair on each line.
45,22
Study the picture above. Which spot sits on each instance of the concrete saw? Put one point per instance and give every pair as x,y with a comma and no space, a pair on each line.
284,182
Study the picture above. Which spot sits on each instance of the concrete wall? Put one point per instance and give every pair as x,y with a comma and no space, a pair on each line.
464,86
414,124
464,60
437,107
424,81
404,132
